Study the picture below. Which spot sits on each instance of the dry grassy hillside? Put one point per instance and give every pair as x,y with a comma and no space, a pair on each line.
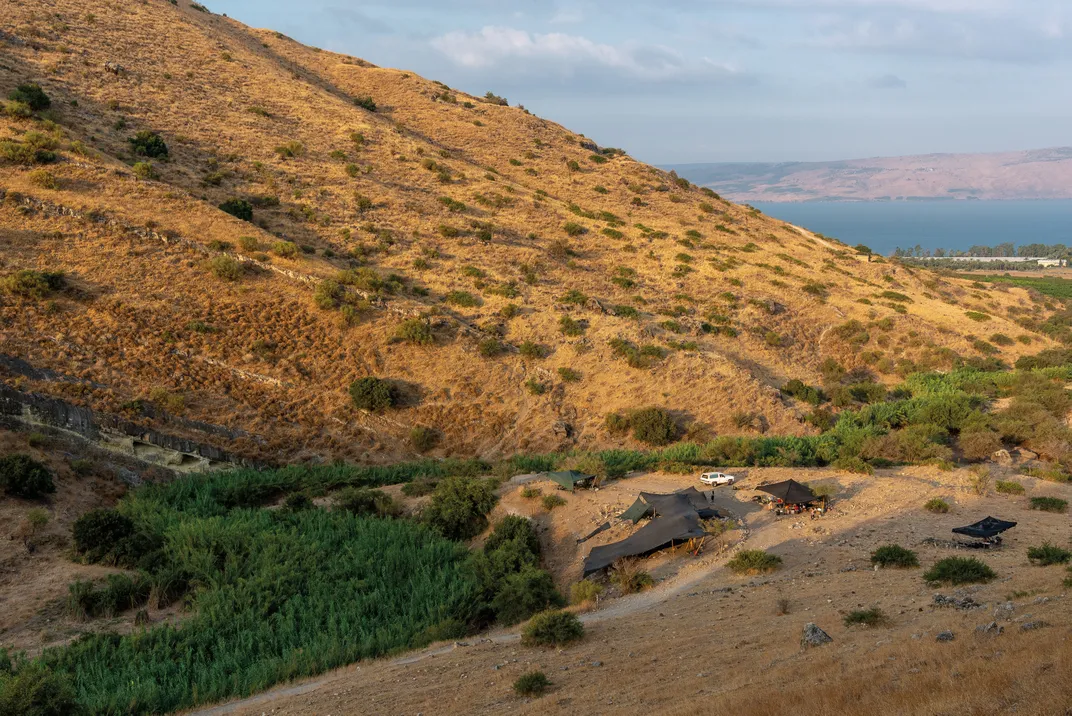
468,231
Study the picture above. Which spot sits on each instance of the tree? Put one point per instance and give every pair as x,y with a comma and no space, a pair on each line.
148,144
22,476
373,394
32,96
459,507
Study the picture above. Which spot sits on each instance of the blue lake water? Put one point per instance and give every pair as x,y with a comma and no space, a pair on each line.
885,225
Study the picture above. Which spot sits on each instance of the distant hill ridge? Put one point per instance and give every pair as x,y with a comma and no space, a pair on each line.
1029,174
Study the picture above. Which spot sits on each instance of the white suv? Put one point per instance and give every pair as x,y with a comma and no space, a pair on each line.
717,478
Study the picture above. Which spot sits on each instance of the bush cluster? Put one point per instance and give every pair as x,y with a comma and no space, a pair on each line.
653,426
512,585
754,561
238,208
32,96
959,570
373,394
29,283
459,507
367,501
22,476
552,628
893,555
148,144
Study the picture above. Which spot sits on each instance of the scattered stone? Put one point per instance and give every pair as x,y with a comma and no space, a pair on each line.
114,67
993,629
1002,457
814,636
940,600
1032,626
597,663
945,636
1004,611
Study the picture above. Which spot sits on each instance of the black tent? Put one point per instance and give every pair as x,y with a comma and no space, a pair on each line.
790,492
985,528
677,519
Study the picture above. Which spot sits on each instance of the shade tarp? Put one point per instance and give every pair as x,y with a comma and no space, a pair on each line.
637,511
986,527
677,519
790,492
568,478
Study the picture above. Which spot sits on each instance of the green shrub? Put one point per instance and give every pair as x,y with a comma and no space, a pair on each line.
286,249
552,628
514,528
585,591
226,267
32,96
893,555
528,349
531,493
1049,504
801,391
148,144
754,561
525,593
491,347
959,570
630,578
574,296
423,438
290,150
35,690
977,316
33,148
532,683
936,505
22,476
367,501
238,208
568,375
552,501
373,394
653,426
298,501
463,299
616,423
459,507
417,331
572,228
1009,487
570,327
99,533
34,284
1047,555
867,617
366,102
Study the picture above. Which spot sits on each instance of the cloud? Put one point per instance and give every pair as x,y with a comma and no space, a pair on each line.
505,48
1000,39
887,82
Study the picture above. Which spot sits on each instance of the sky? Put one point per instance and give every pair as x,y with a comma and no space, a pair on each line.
676,81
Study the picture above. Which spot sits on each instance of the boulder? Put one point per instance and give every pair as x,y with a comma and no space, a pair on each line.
991,629
1002,457
945,636
813,636
1024,455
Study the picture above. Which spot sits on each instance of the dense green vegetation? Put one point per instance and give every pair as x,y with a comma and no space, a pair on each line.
1047,285
959,570
272,594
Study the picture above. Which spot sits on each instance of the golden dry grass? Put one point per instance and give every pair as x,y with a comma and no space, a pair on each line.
278,365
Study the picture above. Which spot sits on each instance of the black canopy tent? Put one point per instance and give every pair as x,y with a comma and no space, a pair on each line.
986,528
677,519
790,492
